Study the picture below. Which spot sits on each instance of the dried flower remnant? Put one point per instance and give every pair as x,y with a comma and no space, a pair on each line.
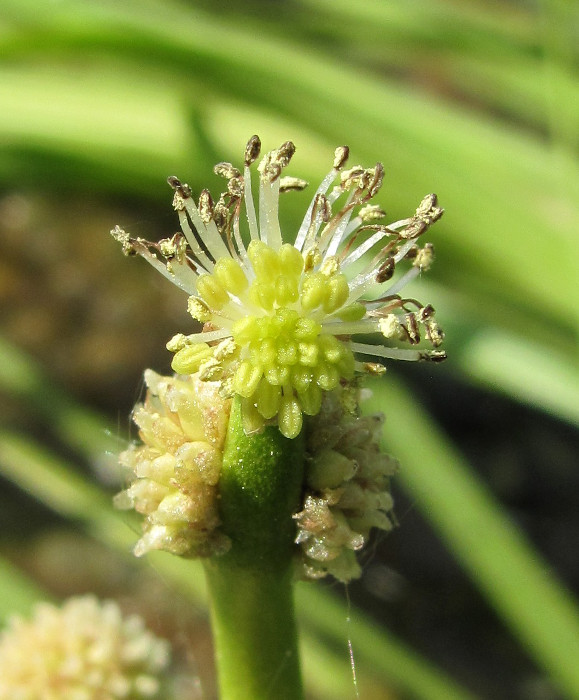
347,487
175,471
279,318
85,649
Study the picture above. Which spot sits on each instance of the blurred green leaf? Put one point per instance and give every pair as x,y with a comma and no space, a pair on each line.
19,592
479,166
507,569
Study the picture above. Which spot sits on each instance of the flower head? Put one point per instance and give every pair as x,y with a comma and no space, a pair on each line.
347,487
175,471
85,650
280,317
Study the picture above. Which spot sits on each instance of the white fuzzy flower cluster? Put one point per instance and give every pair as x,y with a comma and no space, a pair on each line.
175,471
85,650
348,487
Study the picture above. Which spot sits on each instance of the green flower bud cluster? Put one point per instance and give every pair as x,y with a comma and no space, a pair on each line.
348,488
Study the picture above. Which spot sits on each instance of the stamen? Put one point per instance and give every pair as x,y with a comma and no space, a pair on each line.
203,336
268,213
196,249
244,260
305,225
340,222
354,328
392,353
366,246
250,205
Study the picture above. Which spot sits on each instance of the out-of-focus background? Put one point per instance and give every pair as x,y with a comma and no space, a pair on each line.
471,597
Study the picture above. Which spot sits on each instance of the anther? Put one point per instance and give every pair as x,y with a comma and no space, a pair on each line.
226,170
286,184
374,368
180,188
434,356
371,212
285,153
235,187
428,210
377,181
252,150
425,313
414,229
220,216
341,155
386,270
206,206
411,328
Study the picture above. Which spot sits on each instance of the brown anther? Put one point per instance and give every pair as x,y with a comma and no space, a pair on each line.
285,153
220,216
350,177
186,191
371,212
180,188
235,187
425,313
287,184
205,206
252,150
374,368
434,333
326,209
411,328
386,270
341,155
226,170
377,180
414,229
321,209
426,205
365,179
428,210
434,356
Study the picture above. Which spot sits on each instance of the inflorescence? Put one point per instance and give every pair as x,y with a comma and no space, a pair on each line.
347,487
280,322
85,649
278,317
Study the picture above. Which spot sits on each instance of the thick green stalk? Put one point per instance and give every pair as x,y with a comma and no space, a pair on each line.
251,586
254,634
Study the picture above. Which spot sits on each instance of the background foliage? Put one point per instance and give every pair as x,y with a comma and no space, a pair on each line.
475,100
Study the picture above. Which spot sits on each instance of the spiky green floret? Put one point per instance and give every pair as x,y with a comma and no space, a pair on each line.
278,317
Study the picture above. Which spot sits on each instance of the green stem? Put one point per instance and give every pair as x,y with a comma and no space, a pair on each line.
254,633
251,586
